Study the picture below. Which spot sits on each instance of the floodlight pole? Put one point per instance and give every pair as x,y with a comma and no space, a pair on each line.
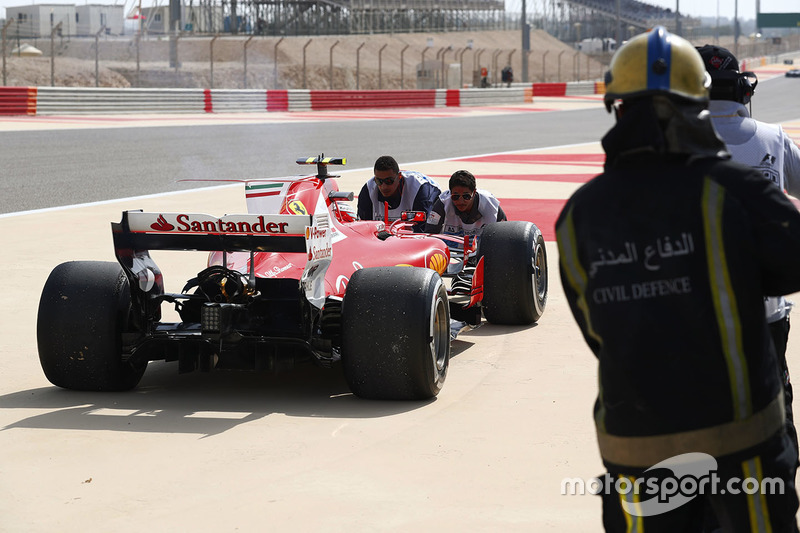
526,43
758,12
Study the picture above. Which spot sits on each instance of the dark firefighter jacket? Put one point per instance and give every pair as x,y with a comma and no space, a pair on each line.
665,258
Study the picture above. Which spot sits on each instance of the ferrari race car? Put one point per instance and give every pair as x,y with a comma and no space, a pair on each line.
793,73
298,278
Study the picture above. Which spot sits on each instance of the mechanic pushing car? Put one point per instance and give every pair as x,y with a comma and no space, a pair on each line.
405,190
766,148
463,209
665,258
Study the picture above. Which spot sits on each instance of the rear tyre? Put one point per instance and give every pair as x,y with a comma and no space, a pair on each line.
395,333
514,273
83,310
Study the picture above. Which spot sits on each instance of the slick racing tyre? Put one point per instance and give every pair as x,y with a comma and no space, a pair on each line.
83,310
395,333
514,273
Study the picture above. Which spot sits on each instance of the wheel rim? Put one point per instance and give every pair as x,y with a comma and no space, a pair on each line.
440,335
539,275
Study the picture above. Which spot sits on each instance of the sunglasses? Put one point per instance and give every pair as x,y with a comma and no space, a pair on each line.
387,181
466,196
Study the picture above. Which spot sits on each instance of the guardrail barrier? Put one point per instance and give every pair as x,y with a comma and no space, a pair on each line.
97,101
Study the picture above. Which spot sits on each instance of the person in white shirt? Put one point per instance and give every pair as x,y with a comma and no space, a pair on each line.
463,209
766,148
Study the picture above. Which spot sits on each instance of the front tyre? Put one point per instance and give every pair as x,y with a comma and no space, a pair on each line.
514,273
83,310
395,333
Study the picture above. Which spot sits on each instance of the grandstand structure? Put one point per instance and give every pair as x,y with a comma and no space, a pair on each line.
575,20
569,20
326,17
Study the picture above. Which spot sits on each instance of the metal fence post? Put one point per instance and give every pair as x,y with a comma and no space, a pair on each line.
97,56
422,61
510,55
330,68
358,65
53,54
275,67
380,66
304,62
461,67
588,76
5,26
245,60
495,55
527,63
476,62
544,60
444,73
211,57
175,50
402,64
138,42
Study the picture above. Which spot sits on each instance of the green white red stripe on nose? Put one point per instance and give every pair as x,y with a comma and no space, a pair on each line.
262,189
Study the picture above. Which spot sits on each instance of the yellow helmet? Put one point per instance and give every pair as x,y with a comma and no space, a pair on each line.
657,62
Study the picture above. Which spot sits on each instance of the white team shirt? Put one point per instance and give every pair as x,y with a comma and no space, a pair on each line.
766,148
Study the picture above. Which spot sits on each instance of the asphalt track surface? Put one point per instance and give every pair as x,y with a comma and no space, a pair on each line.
63,167
296,451
113,158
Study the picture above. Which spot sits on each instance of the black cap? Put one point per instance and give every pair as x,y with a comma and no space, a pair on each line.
718,59
727,83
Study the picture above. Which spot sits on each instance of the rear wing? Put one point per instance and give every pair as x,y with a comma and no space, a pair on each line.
192,231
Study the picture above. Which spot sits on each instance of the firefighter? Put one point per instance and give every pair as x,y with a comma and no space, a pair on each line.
665,258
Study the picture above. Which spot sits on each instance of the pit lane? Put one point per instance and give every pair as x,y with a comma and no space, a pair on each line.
296,451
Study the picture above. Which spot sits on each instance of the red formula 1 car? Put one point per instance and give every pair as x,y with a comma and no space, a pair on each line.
298,278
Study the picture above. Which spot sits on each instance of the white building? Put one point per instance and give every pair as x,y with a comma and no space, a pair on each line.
194,19
90,18
38,20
